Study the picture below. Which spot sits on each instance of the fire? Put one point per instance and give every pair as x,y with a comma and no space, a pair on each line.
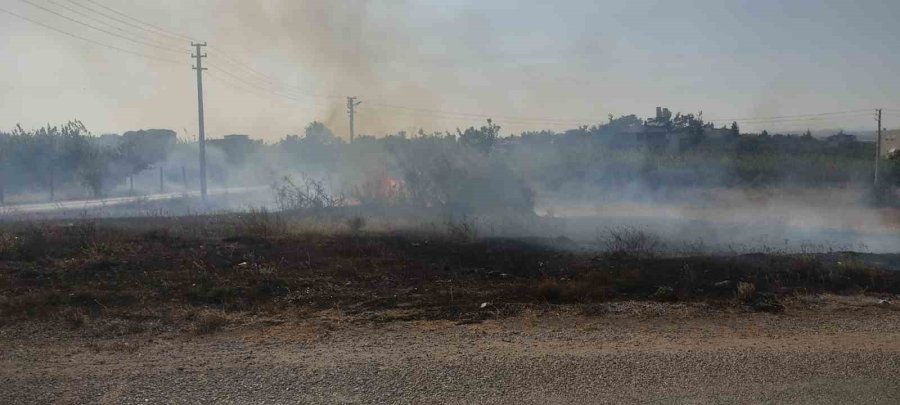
379,188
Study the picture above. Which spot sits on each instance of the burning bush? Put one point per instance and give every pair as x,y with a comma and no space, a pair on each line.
458,176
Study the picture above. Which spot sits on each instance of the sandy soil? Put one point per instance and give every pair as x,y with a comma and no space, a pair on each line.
821,350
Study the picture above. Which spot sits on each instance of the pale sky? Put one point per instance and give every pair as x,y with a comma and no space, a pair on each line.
532,65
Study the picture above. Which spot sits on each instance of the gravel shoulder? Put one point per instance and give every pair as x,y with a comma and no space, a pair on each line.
828,350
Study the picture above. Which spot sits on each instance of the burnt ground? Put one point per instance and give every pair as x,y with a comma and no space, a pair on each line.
244,309
115,268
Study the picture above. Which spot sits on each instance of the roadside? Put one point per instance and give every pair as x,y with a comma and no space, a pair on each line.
76,205
826,349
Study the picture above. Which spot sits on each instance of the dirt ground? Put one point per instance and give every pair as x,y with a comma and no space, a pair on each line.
825,349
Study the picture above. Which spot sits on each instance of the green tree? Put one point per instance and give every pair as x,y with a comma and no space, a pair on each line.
482,139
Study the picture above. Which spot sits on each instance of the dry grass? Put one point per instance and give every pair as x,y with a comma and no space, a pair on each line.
208,321
745,291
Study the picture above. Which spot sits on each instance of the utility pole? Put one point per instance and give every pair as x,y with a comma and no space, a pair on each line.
351,110
877,145
199,68
162,187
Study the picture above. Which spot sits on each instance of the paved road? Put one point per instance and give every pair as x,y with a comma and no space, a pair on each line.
79,205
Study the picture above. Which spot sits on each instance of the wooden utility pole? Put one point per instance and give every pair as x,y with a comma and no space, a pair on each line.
877,145
199,68
351,111
161,185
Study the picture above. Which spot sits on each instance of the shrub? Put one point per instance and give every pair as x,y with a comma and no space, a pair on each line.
9,245
463,229
356,224
630,242
259,222
209,321
745,291
550,290
310,193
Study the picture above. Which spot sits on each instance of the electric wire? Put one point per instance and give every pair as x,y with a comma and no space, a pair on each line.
261,83
95,42
101,21
95,28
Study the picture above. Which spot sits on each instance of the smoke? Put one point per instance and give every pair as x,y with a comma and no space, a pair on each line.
334,49
574,61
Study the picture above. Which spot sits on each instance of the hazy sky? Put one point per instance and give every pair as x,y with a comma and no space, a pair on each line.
520,61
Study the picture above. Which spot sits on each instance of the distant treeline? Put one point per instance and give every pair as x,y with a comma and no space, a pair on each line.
58,158
475,168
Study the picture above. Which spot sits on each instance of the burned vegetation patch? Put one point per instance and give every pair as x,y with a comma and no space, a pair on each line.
117,270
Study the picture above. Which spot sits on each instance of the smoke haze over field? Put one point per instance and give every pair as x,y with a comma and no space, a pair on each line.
573,62
576,84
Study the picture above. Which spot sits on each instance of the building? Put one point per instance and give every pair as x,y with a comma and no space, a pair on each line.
150,145
717,133
109,140
890,142
659,132
236,147
840,139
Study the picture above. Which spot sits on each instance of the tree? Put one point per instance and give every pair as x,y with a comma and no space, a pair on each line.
892,167
317,133
735,130
94,169
483,138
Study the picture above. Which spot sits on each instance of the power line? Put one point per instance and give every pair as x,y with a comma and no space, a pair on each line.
239,82
90,40
789,116
101,21
231,80
484,116
256,86
161,37
802,119
95,28
289,93
273,82
153,28
156,30
278,88
228,59
298,91
262,77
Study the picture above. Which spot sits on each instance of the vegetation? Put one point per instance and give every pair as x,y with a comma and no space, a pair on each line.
59,157
475,169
